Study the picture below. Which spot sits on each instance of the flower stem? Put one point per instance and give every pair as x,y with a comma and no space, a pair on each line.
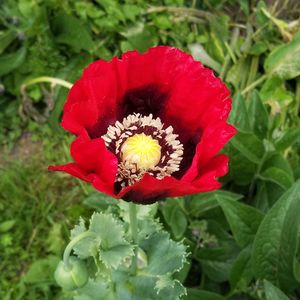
134,234
72,243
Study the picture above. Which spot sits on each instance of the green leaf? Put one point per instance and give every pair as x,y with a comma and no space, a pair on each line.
11,61
143,211
7,225
160,248
249,145
41,270
147,287
273,293
241,272
258,116
200,203
239,115
199,53
70,31
99,201
288,139
94,290
195,294
275,244
6,39
86,247
284,61
114,249
243,219
278,176
275,94
175,216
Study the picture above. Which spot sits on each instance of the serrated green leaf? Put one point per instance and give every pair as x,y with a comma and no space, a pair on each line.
198,204
243,219
94,290
113,247
86,247
258,116
249,145
144,287
275,244
11,61
114,256
160,248
284,60
273,293
197,294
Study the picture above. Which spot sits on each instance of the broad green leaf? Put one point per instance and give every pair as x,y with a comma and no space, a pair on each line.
139,38
239,115
175,216
241,272
258,116
249,145
114,249
278,176
200,203
11,61
197,294
99,201
199,53
275,94
284,61
276,242
273,293
288,139
70,31
243,219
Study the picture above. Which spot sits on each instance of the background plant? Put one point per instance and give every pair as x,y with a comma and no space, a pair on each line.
243,239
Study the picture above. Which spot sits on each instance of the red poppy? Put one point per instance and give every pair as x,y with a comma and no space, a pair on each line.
148,126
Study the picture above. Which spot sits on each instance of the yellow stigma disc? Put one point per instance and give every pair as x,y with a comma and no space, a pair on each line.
142,150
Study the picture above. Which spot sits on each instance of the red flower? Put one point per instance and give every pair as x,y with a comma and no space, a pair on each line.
148,126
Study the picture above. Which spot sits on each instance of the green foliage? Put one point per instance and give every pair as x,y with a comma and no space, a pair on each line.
108,241
242,240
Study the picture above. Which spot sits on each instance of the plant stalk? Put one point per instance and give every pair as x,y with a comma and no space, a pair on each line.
134,234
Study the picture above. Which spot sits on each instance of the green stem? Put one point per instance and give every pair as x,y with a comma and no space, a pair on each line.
53,80
72,243
253,84
134,233
297,95
229,54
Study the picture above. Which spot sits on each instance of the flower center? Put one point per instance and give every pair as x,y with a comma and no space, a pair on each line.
142,145
142,150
